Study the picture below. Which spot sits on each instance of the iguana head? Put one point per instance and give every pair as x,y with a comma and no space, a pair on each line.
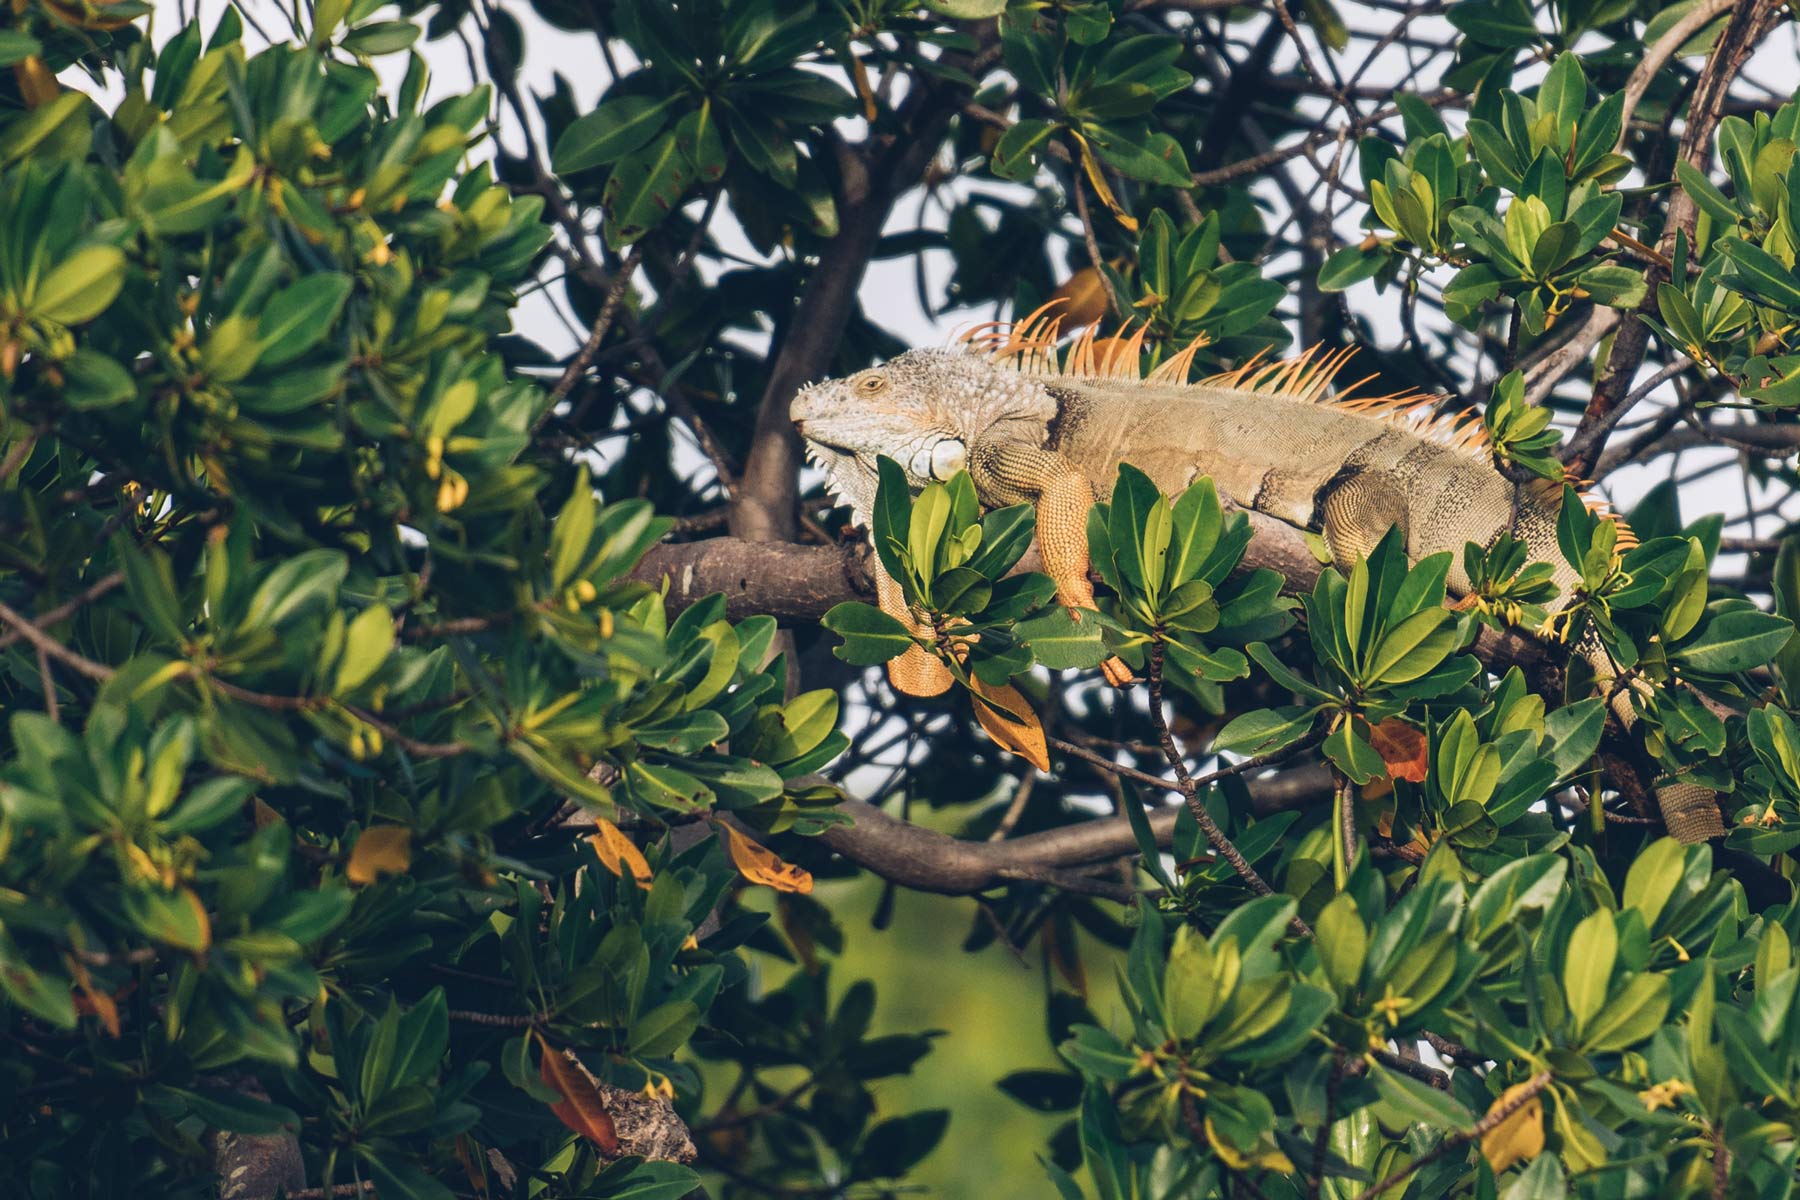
924,410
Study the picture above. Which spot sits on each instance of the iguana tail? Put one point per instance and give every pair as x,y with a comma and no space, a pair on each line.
1689,811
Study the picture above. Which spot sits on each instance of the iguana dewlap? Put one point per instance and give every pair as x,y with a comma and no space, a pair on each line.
1034,427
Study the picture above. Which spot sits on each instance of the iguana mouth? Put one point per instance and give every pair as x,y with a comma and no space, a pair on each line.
846,480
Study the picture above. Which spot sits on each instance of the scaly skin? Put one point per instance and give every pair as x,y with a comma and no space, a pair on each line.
1029,433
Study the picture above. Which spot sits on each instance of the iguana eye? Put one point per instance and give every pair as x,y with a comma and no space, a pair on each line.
947,458
871,385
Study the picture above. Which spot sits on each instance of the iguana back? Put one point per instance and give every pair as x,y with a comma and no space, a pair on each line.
1035,423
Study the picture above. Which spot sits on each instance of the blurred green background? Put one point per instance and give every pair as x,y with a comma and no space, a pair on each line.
992,1002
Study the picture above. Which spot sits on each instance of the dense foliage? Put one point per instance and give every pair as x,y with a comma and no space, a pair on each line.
425,724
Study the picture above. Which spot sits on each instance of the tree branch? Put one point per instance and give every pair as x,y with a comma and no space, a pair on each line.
1746,27
764,508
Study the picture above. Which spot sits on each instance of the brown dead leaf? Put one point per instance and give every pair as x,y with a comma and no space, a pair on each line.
760,865
1520,1137
381,850
580,1108
1084,298
92,1002
1402,748
618,853
1008,719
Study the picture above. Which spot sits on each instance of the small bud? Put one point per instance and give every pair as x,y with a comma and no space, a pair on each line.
585,591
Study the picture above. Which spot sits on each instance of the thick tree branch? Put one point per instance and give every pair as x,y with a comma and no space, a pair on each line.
928,861
798,584
763,510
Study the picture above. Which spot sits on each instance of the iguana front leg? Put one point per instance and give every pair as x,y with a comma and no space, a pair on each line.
1011,473
916,672
1357,513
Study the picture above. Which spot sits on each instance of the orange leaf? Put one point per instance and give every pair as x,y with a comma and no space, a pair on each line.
1520,1137
1402,748
91,1002
580,1108
1008,719
617,852
381,850
759,865
1085,296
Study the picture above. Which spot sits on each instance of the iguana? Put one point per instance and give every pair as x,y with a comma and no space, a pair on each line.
1035,423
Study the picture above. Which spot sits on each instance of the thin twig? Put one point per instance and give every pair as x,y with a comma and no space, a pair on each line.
70,607
55,649
584,357
1191,793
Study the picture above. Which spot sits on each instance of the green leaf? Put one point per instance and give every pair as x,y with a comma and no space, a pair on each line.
1761,275
1062,641
1191,993
1351,265
1342,941
1263,731
16,46
1016,154
1573,732
92,380
381,37
644,189
299,316
610,132
80,287
296,584
1633,1015
664,1029
1353,754
1736,640
1588,965
870,636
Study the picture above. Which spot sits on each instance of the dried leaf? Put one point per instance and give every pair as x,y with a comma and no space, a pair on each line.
618,853
381,850
759,865
37,83
1519,1138
1008,719
1098,179
1402,748
91,1002
1084,297
580,1108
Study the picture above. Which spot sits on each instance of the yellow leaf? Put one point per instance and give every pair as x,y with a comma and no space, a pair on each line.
757,864
1265,1157
1098,178
36,82
1520,1137
617,852
1008,719
381,850
580,1108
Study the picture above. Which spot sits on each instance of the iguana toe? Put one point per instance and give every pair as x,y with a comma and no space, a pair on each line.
1117,673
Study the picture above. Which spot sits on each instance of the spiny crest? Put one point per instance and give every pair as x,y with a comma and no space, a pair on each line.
1548,495
1033,346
